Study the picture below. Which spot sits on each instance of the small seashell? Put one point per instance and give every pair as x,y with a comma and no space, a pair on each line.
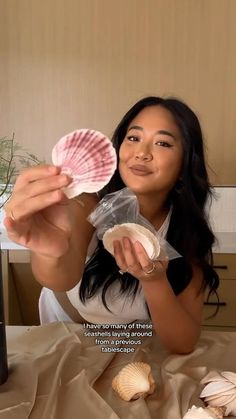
135,232
216,388
88,157
134,381
204,413
229,376
220,391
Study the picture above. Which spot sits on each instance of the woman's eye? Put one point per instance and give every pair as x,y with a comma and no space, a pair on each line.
132,138
163,144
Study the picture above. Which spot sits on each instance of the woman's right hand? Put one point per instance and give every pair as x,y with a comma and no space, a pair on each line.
38,214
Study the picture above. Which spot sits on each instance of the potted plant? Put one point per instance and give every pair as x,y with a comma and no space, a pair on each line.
13,158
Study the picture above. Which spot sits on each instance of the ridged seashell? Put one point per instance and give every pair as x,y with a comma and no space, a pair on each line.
220,391
135,232
133,381
88,157
204,413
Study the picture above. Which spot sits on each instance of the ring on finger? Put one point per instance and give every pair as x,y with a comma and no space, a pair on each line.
11,215
121,272
151,270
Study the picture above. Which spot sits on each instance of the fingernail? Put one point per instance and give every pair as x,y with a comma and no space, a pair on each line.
64,179
126,241
53,169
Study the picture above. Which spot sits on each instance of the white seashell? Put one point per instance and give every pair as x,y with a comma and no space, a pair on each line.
211,376
220,391
216,388
220,400
230,408
230,376
135,380
204,413
88,157
135,232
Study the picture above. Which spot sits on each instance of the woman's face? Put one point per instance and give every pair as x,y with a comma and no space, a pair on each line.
151,153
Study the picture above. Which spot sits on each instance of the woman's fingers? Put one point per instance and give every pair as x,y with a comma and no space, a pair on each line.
20,209
134,259
35,173
36,213
13,230
119,256
42,186
37,194
125,255
150,266
9,223
142,256
130,256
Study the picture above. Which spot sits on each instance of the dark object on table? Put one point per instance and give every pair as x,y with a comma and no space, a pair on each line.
3,346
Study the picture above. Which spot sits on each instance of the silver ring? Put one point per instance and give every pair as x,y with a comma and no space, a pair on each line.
151,270
122,272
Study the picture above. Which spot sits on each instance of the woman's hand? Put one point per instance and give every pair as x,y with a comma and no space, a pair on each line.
133,258
38,212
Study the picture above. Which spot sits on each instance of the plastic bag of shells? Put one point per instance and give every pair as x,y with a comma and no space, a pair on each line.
117,215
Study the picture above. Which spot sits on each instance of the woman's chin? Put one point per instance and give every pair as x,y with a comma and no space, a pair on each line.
140,189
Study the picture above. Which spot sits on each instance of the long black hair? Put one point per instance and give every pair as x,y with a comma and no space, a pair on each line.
189,232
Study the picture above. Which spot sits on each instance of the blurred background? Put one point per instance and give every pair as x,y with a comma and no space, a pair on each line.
67,64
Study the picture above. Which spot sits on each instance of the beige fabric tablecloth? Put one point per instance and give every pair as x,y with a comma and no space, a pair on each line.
58,373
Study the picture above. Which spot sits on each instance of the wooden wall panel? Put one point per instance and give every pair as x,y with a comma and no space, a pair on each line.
66,64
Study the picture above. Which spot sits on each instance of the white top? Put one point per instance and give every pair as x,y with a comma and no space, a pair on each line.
124,309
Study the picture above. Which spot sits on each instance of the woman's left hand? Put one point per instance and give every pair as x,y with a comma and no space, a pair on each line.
133,258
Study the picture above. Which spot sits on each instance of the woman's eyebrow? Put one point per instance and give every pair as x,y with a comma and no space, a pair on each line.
162,131
135,127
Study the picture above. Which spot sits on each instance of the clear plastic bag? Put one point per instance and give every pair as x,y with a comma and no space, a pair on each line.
122,207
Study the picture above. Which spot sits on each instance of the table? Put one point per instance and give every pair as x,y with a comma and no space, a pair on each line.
57,372
11,253
13,332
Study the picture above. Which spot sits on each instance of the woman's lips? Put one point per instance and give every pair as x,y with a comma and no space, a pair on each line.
140,170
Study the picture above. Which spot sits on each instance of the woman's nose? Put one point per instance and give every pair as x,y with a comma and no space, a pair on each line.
143,154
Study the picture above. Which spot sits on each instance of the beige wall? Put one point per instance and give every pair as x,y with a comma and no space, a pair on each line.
67,64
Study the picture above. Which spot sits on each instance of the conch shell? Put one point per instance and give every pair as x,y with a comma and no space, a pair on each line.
134,381
220,391
204,413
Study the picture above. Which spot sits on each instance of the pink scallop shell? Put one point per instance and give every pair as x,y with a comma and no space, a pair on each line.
88,157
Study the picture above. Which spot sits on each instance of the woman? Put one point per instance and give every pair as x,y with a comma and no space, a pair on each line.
161,159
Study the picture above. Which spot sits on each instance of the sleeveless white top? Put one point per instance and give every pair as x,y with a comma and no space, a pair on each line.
124,309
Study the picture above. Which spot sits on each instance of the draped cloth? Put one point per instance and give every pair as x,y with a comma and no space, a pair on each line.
56,372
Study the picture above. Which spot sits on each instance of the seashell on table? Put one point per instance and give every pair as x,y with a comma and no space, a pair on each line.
220,391
204,413
135,232
134,381
87,156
